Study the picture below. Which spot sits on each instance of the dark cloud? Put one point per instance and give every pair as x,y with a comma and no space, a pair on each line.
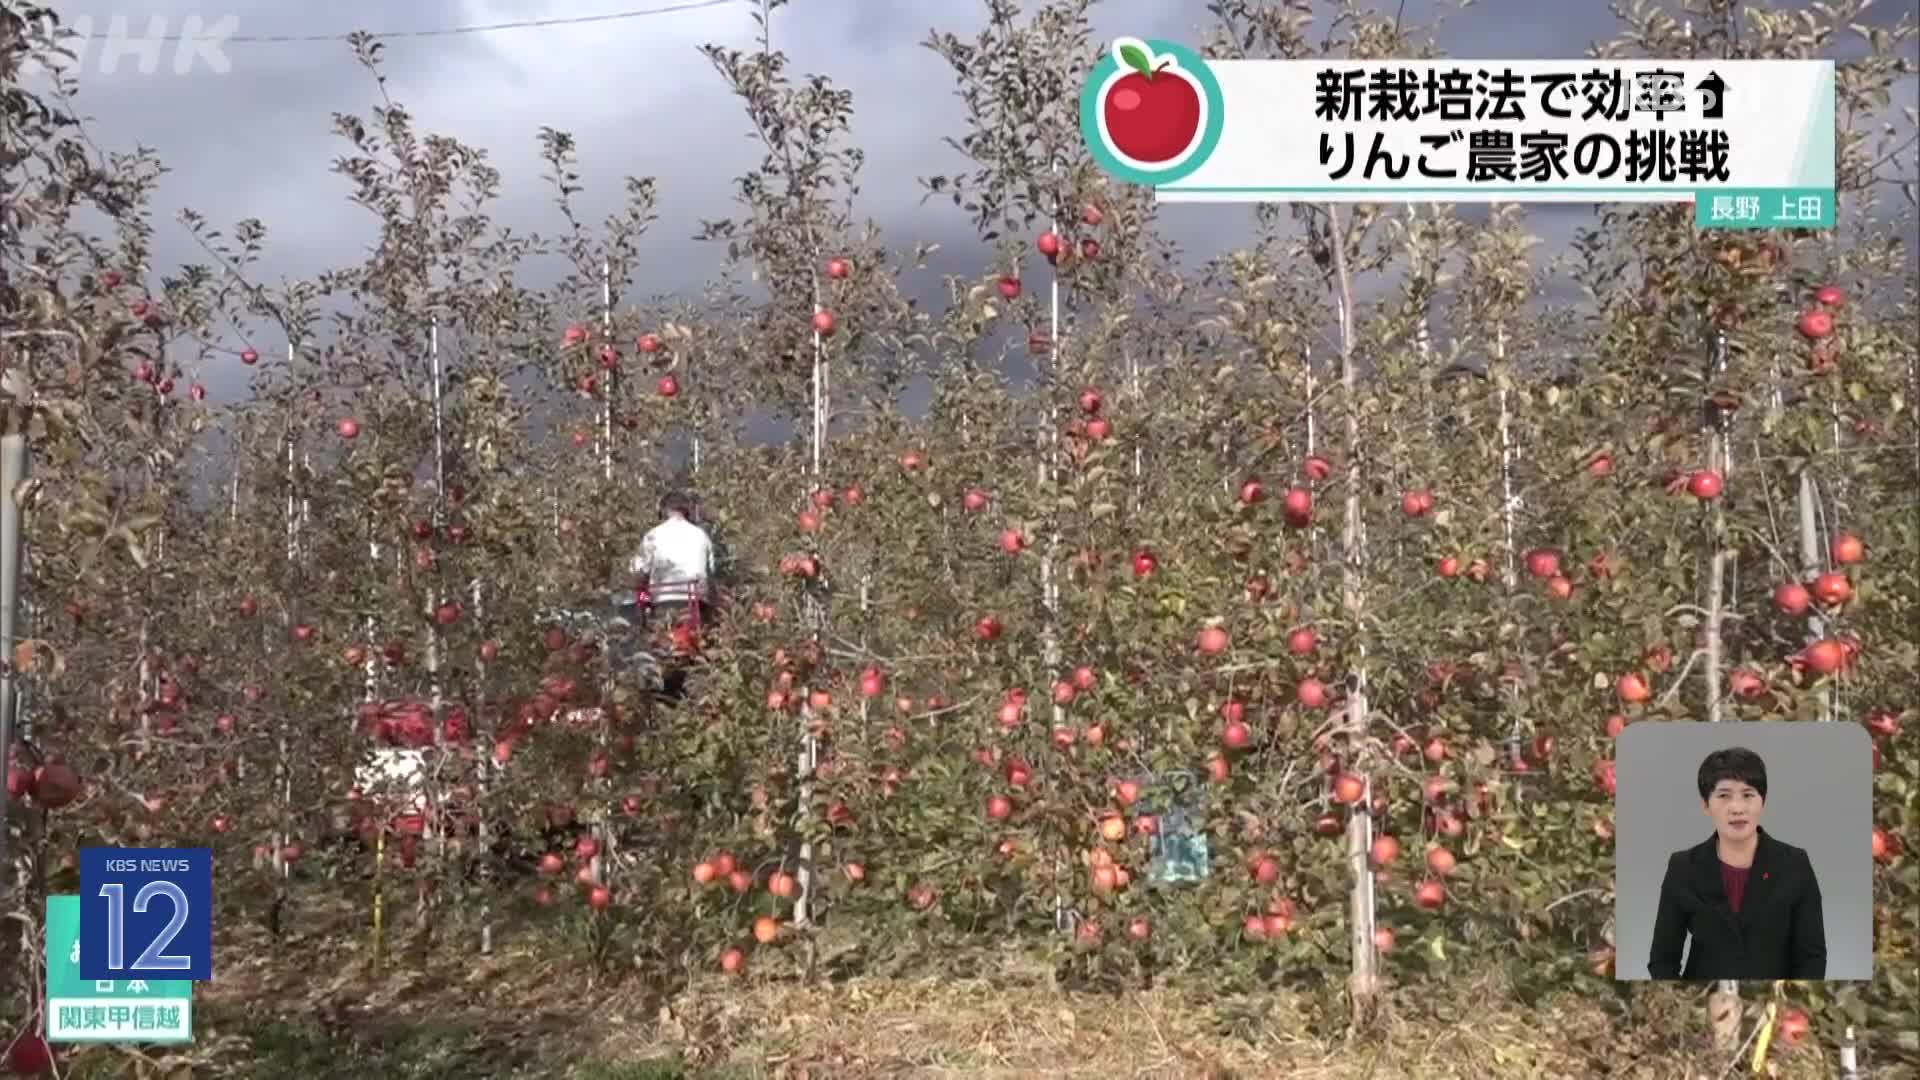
256,141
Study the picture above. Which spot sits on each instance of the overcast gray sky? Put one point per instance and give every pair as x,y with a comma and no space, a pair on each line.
256,141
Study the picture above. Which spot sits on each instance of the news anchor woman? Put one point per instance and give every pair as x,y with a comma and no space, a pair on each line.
1749,903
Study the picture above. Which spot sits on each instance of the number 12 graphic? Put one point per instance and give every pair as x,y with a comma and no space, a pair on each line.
152,958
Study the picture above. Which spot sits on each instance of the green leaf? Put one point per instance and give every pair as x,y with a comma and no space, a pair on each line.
1136,58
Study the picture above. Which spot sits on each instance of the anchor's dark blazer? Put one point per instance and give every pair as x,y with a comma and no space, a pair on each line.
1779,932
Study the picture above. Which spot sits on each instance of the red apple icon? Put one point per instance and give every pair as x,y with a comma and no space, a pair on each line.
1151,109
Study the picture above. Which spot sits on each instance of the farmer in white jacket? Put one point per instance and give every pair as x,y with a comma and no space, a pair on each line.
675,563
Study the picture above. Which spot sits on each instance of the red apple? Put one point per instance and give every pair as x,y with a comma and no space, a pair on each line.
1417,503
1298,507
999,808
1746,683
1385,850
733,961
1430,894
1311,693
838,269
1791,598
1211,641
1704,484
667,387
974,500
20,778
1152,113
1009,288
1316,468
1251,492
348,428
1449,567
1542,563
1048,244
1089,249
1632,689
1825,657
1832,589
1815,325
1011,541
1301,641
30,1056
1348,789
1018,774
1604,775
1848,549
1793,1026
55,785
1144,563
1235,736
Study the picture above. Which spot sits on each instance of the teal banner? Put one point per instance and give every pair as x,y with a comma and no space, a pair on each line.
1764,208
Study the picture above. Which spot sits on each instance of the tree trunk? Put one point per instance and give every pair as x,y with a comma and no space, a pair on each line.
1812,562
1363,985
1049,433
809,755
1723,1002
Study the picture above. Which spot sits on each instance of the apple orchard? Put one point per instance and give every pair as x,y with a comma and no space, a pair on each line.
1353,550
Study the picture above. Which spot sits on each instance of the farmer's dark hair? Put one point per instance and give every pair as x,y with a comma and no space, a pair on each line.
676,502
1733,763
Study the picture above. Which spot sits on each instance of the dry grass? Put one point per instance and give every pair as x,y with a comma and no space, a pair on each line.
312,1009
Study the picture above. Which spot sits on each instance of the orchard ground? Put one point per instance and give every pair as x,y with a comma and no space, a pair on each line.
312,1007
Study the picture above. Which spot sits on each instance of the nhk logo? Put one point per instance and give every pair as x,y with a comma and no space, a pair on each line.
106,46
